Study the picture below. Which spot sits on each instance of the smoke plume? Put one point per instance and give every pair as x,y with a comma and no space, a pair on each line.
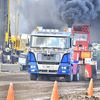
77,11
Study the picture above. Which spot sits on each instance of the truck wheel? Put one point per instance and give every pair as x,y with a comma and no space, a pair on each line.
33,76
69,78
77,76
81,72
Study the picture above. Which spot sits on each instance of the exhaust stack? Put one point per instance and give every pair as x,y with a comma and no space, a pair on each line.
70,30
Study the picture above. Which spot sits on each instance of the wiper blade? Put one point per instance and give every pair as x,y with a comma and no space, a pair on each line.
56,48
46,47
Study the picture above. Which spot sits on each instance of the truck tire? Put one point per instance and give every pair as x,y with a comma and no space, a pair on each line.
69,78
33,76
82,72
77,76
94,73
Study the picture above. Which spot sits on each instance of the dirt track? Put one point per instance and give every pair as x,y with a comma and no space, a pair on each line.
24,89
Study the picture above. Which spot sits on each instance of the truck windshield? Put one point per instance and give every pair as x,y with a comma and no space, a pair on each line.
47,41
80,36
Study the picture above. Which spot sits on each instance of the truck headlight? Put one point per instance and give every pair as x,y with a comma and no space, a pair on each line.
65,68
32,66
62,67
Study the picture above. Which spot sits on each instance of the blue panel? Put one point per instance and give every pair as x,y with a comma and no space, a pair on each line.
31,57
32,63
76,62
67,70
30,69
66,58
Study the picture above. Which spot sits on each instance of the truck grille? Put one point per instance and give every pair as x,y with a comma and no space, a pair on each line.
48,57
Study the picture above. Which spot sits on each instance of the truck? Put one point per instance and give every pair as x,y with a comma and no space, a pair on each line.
51,55
83,53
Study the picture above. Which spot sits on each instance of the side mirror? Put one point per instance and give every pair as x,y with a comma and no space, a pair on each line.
74,42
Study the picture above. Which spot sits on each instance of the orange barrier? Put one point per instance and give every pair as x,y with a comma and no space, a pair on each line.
10,95
90,89
55,92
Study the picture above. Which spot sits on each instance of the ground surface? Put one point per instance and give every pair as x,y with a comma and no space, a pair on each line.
24,89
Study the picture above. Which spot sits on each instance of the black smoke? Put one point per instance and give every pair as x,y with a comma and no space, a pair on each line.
77,11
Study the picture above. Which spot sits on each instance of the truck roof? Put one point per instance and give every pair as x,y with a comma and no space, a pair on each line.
50,33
